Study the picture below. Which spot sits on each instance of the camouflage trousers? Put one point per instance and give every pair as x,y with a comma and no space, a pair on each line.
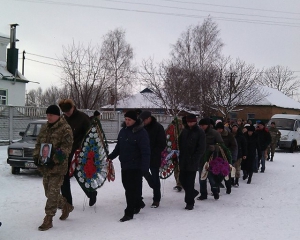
271,149
52,186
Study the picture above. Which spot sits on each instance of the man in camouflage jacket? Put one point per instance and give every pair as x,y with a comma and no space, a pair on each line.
275,135
58,133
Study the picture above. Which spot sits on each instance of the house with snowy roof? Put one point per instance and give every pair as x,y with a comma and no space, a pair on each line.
12,82
274,102
137,101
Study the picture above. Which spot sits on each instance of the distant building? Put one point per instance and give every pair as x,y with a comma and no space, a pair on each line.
12,82
137,101
275,102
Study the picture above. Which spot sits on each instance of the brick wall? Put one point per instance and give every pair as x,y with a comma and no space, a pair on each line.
262,112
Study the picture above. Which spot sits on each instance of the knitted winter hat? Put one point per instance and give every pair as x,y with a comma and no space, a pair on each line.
234,125
220,125
53,109
260,122
131,114
96,113
204,121
191,118
251,128
144,115
219,120
66,105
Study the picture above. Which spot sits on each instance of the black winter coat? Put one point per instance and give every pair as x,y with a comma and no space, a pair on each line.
192,144
264,138
133,148
242,144
80,124
252,147
157,138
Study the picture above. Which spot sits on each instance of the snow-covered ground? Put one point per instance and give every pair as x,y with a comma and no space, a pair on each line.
268,208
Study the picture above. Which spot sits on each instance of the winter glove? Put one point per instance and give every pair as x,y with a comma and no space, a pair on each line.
49,164
211,148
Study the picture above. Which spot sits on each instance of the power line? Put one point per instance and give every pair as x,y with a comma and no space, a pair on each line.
286,24
43,63
193,9
226,6
81,64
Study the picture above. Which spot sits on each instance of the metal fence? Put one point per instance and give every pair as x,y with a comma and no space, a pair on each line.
14,119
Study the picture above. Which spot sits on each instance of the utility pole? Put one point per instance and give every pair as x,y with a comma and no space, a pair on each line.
23,60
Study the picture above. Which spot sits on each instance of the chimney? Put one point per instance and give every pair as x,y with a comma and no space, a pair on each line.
12,52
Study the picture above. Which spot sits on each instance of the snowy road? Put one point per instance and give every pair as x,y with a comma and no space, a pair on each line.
268,208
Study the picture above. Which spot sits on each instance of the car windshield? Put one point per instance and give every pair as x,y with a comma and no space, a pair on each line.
283,124
33,130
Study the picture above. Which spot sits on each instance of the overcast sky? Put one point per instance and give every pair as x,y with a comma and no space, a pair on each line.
151,28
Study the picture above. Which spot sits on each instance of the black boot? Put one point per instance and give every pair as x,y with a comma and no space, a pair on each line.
249,178
232,181
271,159
245,176
236,182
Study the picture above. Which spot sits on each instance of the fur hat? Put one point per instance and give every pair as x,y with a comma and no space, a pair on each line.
53,109
131,114
219,125
204,121
144,115
191,118
66,105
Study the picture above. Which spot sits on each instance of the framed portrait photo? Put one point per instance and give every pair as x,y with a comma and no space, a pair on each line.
45,153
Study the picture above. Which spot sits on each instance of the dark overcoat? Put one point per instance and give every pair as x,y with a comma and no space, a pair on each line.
157,139
192,144
133,147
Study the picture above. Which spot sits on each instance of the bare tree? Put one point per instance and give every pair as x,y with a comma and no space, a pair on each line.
282,79
84,75
233,85
196,52
198,47
118,55
34,97
168,84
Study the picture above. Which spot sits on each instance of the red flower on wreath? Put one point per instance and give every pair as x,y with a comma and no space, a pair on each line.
90,168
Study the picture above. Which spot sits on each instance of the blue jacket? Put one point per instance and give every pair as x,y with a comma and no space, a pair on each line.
133,148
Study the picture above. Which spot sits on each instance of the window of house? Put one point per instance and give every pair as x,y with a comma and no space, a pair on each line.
251,116
3,96
233,116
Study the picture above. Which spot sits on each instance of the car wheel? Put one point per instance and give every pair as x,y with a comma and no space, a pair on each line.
15,170
293,147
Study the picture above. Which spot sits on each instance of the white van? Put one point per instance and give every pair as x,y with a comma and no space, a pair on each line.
289,126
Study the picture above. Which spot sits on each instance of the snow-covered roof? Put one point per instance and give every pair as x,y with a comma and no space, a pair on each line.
138,100
6,75
276,98
273,98
2,35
